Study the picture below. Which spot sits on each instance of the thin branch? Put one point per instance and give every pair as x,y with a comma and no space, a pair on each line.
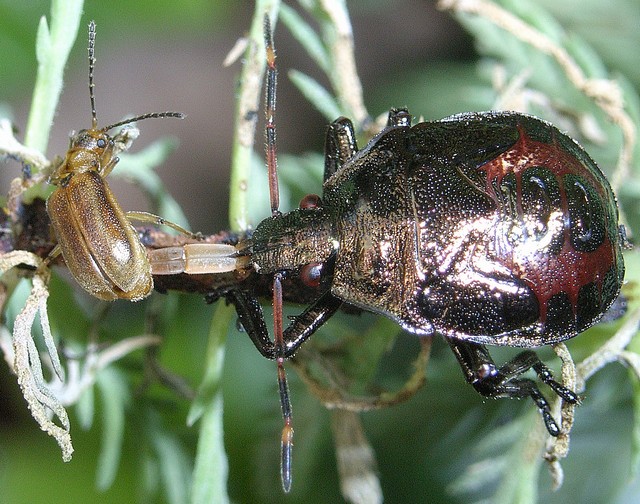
247,115
52,51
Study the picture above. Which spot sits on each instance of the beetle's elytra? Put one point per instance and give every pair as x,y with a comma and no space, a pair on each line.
95,236
101,248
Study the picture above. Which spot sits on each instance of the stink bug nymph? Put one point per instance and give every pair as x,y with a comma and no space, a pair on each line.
490,228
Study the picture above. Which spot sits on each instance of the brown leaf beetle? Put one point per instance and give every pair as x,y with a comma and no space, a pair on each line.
95,236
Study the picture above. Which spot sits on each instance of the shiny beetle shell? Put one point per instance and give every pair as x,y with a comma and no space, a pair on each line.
100,246
494,228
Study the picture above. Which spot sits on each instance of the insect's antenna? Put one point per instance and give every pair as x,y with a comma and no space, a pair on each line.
278,338
92,64
94,117
270,117
286,443
151,115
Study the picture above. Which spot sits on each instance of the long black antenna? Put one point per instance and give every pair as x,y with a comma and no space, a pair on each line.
94,117
150,115
92,64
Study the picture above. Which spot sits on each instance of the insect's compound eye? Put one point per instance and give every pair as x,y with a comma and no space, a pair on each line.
101,143
310,274
310,201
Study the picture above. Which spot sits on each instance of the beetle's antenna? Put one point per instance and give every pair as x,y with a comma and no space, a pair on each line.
94,117
151,115
278,339
270,117
92,64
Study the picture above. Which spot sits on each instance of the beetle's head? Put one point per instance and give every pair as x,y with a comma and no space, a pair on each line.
95,143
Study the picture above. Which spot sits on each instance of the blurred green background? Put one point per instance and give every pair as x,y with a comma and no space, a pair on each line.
160,55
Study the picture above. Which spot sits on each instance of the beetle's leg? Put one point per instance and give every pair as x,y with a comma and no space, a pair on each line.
340,142
108,168
491,381
301,327
526,360
339,145
55,252
160,221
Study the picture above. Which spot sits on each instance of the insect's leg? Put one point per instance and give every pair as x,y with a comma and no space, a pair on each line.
529,360
55,252
491,381
339,145
160,221
283,346
108,168
309,321
301,327
251,317
340,141
399,117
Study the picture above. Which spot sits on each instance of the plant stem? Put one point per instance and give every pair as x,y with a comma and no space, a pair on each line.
52,51
246,114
